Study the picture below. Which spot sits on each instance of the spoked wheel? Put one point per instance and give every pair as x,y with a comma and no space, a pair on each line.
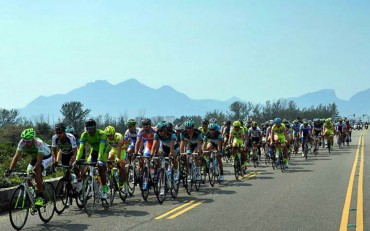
175,185
131,180
212,176
90,195
19,208
145,178
61,193
237,168
189,180
161,186
112,189
46,212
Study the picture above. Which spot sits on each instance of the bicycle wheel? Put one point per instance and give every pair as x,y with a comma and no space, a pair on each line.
189,180
121,193
46,212
90,195
111,183
61,194
329,145
19,207
211,175
236,168
161,186
131,180
145,180
175,185
196,182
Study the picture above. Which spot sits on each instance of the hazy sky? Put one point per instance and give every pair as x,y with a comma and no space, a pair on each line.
252,49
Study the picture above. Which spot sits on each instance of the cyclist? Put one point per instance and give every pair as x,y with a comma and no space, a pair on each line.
348,129
144,142
97,140
254,136
317,131
329,131
305,134
237,139
165,140
190,143
116,151
178,129
131,136
339,127
212,140
41,159
278,134
64,146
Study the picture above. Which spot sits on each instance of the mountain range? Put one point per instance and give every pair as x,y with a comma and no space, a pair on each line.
132,98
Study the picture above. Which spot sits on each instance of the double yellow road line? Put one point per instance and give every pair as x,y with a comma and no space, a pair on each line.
183,209
360,190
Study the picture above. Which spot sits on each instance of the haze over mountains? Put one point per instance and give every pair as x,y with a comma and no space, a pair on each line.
133,98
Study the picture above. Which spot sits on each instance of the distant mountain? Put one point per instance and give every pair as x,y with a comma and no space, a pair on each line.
355,105
130,98
133,98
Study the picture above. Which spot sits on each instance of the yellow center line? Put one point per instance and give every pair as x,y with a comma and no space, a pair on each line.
347,202
360,190
185,210
174,210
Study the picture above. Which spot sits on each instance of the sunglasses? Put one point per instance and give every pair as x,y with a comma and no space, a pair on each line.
90,128
161,130
58,133
212,129
109,134
27,141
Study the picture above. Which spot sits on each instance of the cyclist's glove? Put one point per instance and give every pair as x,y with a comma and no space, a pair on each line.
79,162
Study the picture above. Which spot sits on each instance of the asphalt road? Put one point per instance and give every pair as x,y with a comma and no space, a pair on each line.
324,192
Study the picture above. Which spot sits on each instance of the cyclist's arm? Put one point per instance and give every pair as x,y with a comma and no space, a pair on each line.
119,148
15,159
155,146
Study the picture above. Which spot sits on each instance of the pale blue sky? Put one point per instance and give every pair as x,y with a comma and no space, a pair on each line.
252,49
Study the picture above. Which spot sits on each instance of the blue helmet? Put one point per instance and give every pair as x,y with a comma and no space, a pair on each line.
212,126
277,120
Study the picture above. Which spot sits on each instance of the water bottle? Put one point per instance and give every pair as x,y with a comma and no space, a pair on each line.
116,174
73,180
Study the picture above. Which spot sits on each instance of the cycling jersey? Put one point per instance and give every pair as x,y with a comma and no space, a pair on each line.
97,142
305,130
254,133
184,136
165,140
113,144
38,148
66,145
131,135
279,132
339,127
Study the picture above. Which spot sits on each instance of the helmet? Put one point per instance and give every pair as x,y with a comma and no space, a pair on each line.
70,129
110,130
213,120
189,124
305,122
228,122
236,123
28,134
277,120
60,127
169,126
146,121
285,121
179,127
249,120
90,123
131,122
254,124
212,126
328,120
161,125
340,119
295,121
241,122
205,122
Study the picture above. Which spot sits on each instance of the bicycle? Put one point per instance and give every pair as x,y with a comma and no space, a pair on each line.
279,156
22,201
305,147
255,154
165,178
65,190
92,189
133,174
113,175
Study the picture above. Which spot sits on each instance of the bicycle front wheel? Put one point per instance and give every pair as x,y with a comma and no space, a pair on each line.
90,195
46,212
161,186
131,180
61,194
19,207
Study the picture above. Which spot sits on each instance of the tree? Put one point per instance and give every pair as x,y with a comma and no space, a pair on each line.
74,114
8,117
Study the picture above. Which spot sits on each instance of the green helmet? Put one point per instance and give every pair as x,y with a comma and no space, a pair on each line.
110,130
131,122
161,125
28,134
189,123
